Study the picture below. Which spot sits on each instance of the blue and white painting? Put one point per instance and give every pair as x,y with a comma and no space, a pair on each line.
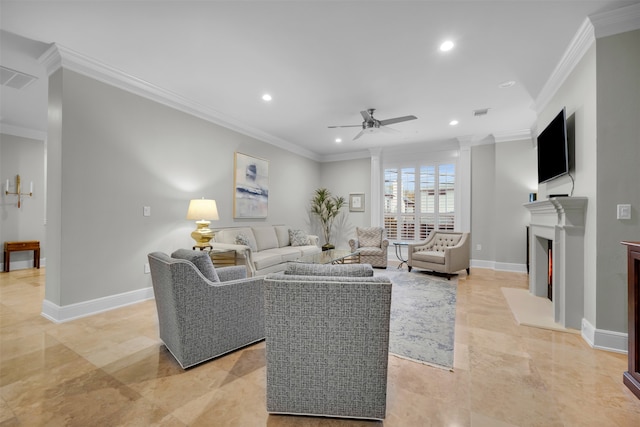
251,187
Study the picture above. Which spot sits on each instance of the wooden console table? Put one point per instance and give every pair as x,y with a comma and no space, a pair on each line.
29,245
631,378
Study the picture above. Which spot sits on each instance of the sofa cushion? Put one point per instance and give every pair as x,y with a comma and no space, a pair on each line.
429,256
345,270
282,232
228,235
266,258
298,238
266,237
290,253
369,237
201,260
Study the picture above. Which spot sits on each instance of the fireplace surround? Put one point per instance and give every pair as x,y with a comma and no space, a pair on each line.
560,220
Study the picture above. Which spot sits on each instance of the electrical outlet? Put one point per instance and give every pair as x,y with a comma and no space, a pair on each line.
146,211
147,269
478,247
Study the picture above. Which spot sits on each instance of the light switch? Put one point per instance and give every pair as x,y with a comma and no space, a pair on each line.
146,211
624,211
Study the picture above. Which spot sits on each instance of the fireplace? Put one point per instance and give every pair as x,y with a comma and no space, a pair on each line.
550,270
557,256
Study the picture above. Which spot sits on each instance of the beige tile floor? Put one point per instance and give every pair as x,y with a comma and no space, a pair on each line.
111,370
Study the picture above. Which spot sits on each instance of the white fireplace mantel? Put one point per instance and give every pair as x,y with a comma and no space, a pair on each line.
562,221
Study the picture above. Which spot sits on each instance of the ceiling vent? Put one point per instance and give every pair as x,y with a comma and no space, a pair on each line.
480,112
15,79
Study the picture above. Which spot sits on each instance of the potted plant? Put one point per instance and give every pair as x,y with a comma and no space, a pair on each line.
326,207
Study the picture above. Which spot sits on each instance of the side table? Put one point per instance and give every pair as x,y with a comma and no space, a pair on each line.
29,245
399,246
223,257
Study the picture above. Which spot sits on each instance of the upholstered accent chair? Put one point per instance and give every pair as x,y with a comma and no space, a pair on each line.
372,244
443,252
205,312
327,341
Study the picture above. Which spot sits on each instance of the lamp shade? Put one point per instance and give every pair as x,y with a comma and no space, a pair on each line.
200,209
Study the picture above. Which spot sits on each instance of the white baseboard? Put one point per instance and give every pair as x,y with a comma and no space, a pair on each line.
499,266
604,340
59,314
23,264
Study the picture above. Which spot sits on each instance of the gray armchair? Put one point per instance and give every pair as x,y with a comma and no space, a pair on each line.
327,341
443,251
372,244
205,312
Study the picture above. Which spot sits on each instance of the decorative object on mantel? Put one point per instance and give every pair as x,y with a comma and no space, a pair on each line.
202,210
18,191
326,207
250,187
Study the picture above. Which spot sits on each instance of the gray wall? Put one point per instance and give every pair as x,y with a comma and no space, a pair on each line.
25,157
502,176
344,178
111,153
618,171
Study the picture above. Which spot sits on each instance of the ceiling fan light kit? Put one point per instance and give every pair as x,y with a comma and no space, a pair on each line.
372,125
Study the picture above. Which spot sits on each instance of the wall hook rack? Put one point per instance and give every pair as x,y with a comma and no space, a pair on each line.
18,191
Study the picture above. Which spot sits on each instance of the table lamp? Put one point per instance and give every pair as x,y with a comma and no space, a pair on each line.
202,210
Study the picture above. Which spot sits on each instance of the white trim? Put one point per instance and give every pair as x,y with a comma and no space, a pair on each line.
498,266
578,47
616,21
24,264
59,314
58,56
600,339
8,129
516,135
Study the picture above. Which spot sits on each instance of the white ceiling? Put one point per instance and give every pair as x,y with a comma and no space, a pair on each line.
322,61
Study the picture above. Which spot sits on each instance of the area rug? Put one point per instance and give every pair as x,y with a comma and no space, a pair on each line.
423,317
530,310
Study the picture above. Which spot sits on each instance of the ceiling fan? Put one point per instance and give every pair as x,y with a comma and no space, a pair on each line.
370,124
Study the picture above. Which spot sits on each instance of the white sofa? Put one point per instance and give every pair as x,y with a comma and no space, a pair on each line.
267,248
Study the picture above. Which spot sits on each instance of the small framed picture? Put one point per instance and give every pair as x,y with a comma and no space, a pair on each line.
356,202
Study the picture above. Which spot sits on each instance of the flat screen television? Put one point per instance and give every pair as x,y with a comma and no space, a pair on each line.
553,150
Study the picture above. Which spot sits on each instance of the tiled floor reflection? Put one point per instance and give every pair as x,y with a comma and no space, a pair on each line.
111,370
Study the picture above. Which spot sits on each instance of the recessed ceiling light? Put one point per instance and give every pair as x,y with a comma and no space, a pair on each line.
338,140
506,84
266,97
446,46
453,122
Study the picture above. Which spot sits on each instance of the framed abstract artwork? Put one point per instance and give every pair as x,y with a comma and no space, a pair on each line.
250,187
356,202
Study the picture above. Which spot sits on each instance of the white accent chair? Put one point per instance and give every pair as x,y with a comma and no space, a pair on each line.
444,252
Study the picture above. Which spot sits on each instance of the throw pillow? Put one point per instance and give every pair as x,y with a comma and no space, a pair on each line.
242,239
201,260
298,238
370,237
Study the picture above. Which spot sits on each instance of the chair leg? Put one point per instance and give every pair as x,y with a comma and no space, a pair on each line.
409,268
468,271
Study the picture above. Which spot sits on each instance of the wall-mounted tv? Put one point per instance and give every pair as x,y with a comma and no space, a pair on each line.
553,150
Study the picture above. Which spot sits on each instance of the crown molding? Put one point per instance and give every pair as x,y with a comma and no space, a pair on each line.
58,56
580,44
616,21
23,132
516,135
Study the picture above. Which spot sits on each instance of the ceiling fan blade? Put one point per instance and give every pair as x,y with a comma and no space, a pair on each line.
358,135
366,116
345,126
388,130
397,120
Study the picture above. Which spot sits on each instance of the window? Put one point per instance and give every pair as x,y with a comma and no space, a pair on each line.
418,200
